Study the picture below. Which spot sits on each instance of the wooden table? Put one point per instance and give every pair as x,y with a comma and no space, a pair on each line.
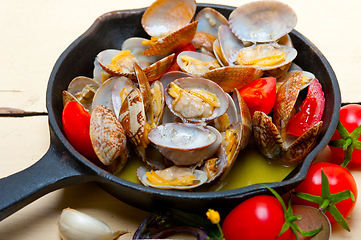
34,34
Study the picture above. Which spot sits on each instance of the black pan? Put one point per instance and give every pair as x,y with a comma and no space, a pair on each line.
63,166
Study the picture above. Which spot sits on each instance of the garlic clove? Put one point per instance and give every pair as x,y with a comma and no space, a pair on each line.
75,225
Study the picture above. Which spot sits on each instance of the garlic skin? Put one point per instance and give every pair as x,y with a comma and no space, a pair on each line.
75,225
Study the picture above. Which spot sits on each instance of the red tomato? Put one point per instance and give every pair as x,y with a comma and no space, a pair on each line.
311,110
350,117
259,217
260,94
340,179
175,66
76,121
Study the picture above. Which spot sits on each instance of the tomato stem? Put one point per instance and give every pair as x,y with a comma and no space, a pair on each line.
327,200
290,218
348,142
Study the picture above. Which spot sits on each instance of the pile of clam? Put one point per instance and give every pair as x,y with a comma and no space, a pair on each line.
188,126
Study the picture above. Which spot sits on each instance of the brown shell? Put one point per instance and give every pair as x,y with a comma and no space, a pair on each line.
144,86
159,68
106,134
286,98
244,117
132,116
266,136
174,41
232,77
303,145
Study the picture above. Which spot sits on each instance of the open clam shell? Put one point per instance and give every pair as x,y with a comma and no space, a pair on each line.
184,143
196,63
81,89
262,21
196,83
173,173
166,16
209,21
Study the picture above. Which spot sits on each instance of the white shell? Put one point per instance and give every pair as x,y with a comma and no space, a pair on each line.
262,21
209,21
199,83
199,175
104,94
196,55
230,45
166,16
184,143
119,84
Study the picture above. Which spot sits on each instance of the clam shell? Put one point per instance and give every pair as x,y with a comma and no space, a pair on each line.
232,77
286,98
300,148
132,117
105,57
230,45
119,84
163,17
81,89
244,117
199,83
104,94
267,137
262,21
198,174
184,143
196,70
136,48
209,21
290,52
106,134
174,41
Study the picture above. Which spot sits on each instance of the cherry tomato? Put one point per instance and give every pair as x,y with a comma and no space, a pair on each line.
174,66
350,117
260,94
311,110
259,217
76,121
340,179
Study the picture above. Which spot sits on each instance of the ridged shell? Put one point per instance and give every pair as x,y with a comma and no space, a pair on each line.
132,117
262,21
300,148
244,117
267,137
286,98
106,134
232,77
119,86
174,41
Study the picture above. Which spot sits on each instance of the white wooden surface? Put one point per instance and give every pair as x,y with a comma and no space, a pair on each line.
34,34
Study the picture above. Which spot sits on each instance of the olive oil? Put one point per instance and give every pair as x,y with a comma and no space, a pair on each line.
251,167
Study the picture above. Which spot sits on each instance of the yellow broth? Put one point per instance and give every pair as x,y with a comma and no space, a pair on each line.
251,167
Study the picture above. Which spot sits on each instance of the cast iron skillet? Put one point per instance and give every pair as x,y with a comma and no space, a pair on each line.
63,166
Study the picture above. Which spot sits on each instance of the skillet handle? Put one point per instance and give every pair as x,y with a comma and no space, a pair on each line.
55,170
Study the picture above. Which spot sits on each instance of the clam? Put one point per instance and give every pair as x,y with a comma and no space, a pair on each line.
81,89
121,63
120,90
307,78
169,24
107,135
209,21
270,142
175,177
183,143
196,99
196,63
262,21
